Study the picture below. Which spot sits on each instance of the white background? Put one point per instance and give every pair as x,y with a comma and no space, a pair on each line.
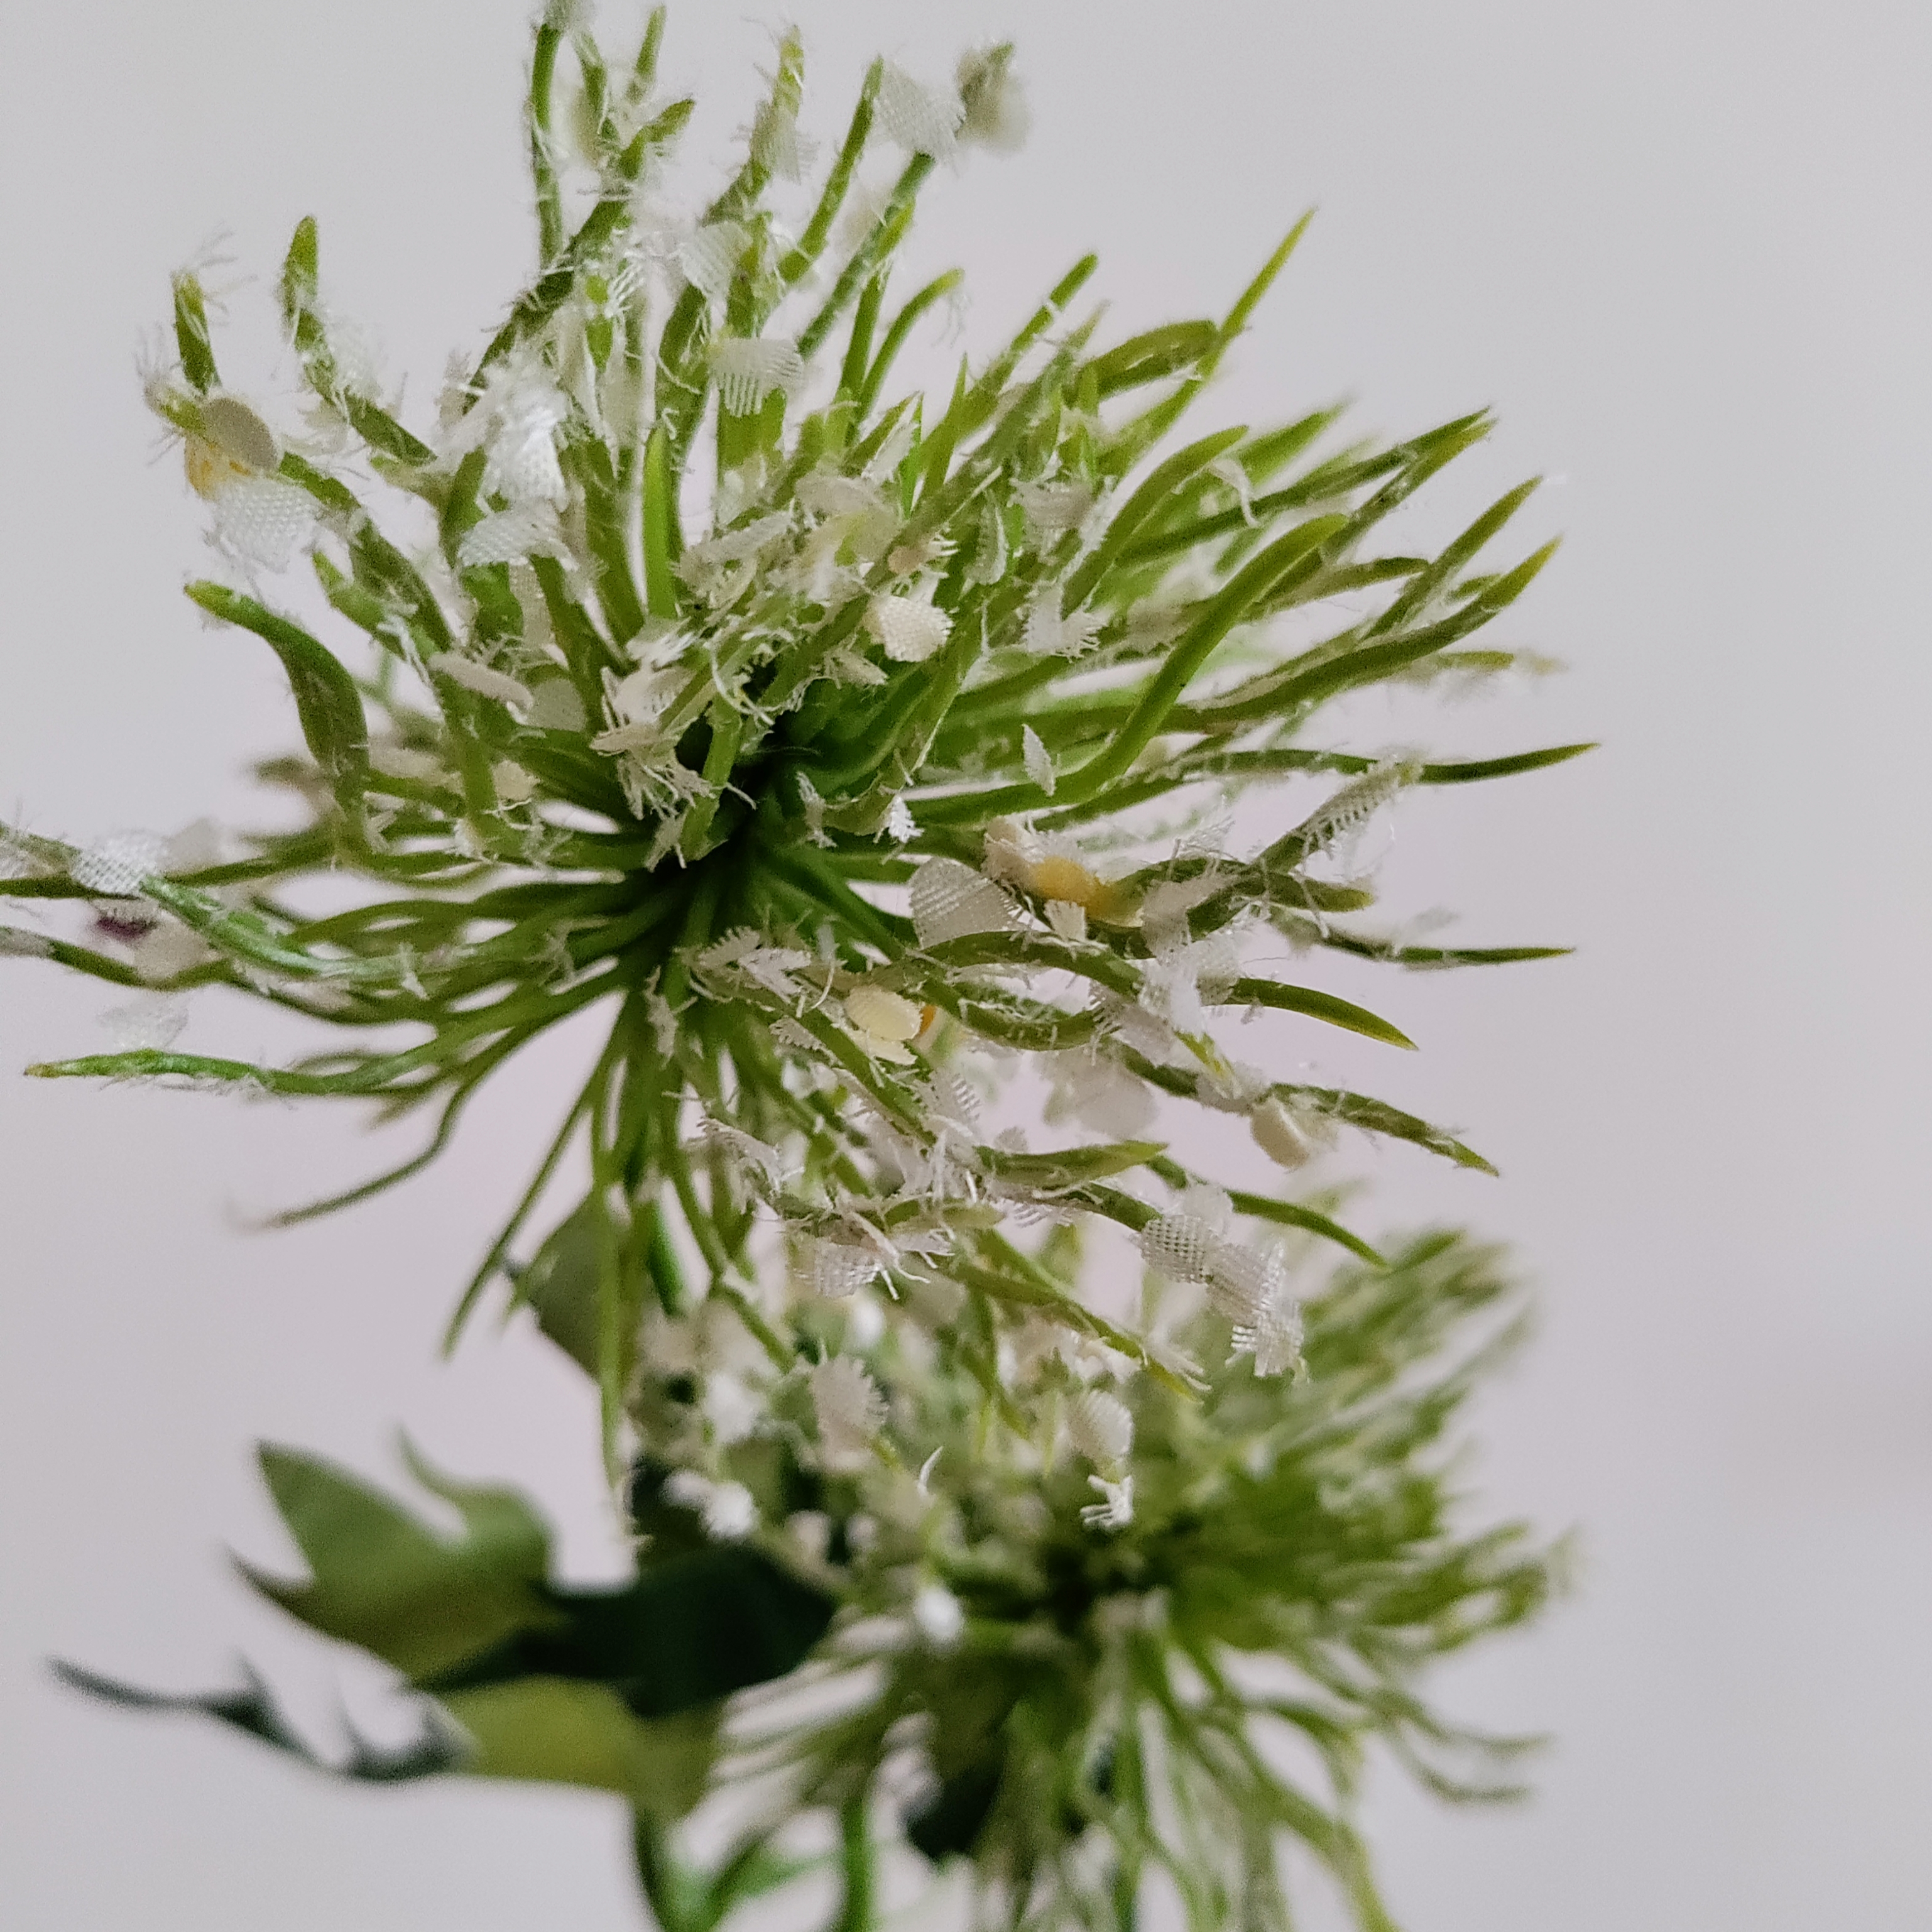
1683,249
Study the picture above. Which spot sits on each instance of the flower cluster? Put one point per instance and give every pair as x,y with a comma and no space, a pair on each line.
857,755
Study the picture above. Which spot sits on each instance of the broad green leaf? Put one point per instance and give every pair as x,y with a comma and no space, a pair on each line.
383,1581
687,1632
253,1711
561,1285
554,1730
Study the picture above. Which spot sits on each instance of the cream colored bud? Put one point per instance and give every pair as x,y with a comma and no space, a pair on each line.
885,1015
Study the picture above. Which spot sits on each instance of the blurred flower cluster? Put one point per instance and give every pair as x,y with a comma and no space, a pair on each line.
861,757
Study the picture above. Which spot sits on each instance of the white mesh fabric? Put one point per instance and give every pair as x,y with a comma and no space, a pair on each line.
748,371
482,679
840,1268
264,521
114,866
1244,1282
1181,1246
1274,1339
951,901
509,536
910,629
1100,1426
922,120
1054,507
710,258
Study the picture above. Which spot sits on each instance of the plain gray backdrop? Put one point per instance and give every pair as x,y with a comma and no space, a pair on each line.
1681,246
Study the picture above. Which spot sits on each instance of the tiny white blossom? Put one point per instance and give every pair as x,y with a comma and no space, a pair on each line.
937,1616
1273,1338
1210,1204
884,1015
1115,1509
149,1024
514,785
1164,910
1101,1094
728,1510
1068,919
238,429
770,968
910,629
850,1412
1233,471
1049,633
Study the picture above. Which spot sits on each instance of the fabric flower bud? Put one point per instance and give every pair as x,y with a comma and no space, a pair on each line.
997,115
1284,1133
922,120
885,1015
239,432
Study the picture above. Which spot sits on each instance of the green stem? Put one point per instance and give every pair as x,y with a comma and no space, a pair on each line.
657,1873
855,1912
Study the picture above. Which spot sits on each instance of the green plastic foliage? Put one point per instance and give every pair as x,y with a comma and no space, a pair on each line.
327,701
549,1730
381,1580
835,747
